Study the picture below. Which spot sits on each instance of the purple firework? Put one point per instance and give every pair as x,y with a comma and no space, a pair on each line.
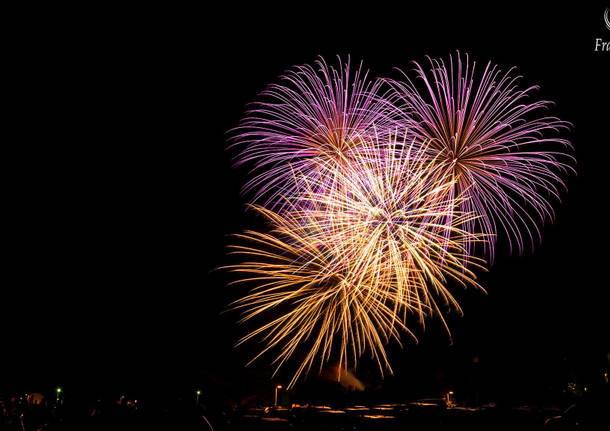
317,114
499,149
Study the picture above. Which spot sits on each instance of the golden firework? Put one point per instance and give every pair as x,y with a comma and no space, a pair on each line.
352,255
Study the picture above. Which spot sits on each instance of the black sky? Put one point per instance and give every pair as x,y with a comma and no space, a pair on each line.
120,191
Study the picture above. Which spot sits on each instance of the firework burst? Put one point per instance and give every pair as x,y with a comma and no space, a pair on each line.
349,265
491,142
369,231
314,114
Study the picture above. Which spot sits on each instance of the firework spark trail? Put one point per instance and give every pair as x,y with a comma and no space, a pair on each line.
347,267
491,142
314,114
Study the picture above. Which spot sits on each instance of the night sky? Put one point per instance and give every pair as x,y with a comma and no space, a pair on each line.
121,196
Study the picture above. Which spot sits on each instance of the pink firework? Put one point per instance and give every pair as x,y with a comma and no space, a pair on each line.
317,114
496,146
